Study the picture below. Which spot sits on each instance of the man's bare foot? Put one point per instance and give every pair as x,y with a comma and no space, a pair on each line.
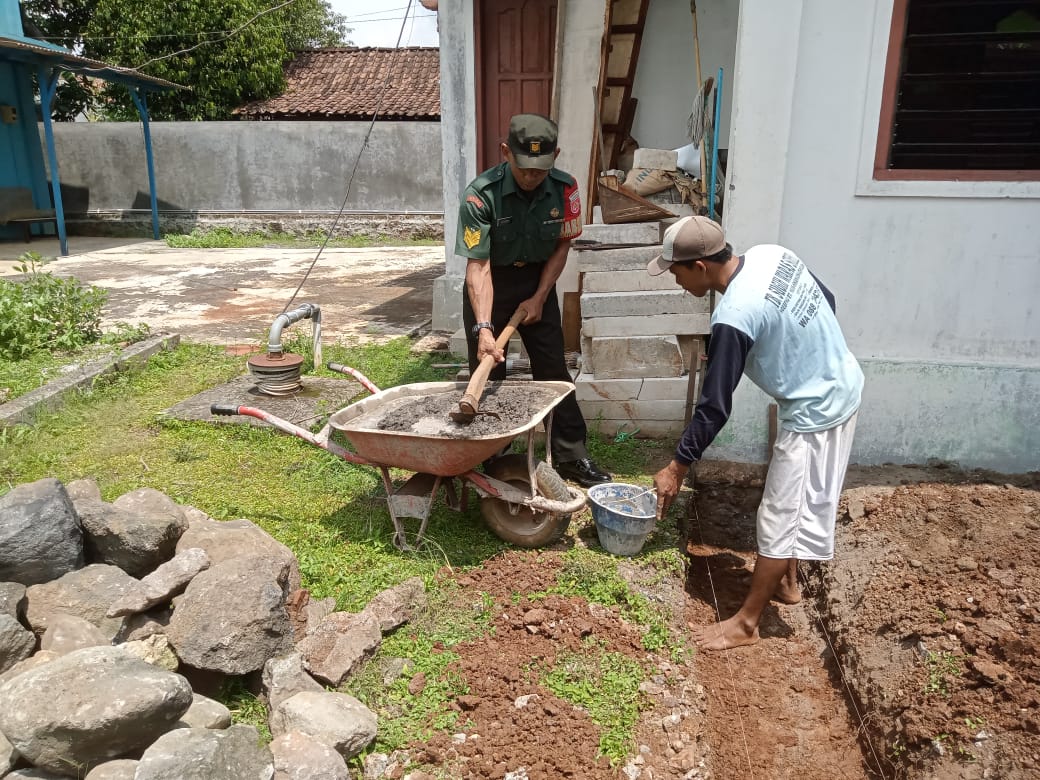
723,636
787,593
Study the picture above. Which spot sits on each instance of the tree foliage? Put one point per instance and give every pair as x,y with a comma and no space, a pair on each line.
227,52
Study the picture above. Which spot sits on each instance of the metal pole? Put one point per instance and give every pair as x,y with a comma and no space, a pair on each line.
715,145
141,101
48,86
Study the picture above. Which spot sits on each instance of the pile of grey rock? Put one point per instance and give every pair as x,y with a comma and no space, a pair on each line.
115,618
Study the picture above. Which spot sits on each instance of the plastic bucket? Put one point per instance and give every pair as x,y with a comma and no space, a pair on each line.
624,514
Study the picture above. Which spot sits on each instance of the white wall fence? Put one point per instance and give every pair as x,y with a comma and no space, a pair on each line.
281,172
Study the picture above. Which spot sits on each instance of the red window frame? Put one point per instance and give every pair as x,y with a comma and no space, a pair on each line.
882,172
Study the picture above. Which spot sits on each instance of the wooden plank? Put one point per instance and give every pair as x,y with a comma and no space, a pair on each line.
572,320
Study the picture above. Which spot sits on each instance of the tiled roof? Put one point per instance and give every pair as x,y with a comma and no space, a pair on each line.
346,83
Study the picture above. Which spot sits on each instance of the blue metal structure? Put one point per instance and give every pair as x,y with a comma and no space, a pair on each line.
715,147
21,158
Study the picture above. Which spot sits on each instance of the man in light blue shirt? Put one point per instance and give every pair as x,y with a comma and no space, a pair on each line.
775,322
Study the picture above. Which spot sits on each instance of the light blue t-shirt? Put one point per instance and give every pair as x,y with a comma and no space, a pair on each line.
799,355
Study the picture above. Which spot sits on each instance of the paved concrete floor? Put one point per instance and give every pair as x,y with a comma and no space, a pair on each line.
232,296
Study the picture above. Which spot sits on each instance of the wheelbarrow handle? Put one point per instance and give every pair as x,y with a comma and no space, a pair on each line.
223,409
367,383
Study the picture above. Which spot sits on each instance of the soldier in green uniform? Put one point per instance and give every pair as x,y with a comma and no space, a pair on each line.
516,223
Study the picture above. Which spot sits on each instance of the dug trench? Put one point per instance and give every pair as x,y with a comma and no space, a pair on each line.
914,654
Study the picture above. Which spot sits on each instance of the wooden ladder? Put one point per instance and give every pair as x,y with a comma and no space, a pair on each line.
615,107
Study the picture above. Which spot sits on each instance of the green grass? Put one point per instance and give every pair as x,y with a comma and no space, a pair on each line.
18,377
226,238
333,515
426,646
606,686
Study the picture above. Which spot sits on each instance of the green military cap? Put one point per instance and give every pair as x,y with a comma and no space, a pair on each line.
532,139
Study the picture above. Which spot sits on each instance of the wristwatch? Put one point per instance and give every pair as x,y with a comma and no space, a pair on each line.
480,326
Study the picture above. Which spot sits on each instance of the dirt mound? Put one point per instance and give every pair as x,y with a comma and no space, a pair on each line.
933,603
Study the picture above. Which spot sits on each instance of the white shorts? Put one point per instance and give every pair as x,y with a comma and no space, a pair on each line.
800,501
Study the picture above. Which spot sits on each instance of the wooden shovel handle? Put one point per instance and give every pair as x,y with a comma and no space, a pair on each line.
471,398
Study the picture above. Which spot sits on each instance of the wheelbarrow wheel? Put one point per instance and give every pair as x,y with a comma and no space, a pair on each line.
528,527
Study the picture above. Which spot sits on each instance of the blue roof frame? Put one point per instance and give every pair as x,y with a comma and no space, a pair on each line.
49,60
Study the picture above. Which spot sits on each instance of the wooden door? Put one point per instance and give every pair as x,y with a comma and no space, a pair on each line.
516,41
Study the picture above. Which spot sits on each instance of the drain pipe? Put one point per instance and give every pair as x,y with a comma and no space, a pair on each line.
278,373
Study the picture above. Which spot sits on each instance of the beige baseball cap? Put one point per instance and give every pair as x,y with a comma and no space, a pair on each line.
689,238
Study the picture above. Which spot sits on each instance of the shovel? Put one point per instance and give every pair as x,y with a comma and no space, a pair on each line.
470,402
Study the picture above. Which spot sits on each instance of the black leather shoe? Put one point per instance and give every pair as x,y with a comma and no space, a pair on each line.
583,471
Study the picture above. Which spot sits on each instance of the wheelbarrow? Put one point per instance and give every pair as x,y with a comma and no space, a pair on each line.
523,500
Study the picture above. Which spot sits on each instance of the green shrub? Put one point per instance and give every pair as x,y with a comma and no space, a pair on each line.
43,312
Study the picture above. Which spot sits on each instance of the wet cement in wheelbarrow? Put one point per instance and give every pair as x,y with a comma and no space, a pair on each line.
502,409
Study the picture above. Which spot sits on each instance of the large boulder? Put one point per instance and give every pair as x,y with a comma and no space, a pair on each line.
16,643
284,677
337,646
8,755
40,535
334,719
88,707
163,584
228,539
87,592
137,532
12,599
232,617
120,769
66,633
300,757
204,754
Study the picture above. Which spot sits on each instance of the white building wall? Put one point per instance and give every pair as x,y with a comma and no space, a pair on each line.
935,282
666,75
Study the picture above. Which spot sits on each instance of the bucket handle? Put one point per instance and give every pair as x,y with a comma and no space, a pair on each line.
621,499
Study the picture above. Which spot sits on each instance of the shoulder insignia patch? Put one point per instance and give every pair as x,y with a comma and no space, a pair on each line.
475,201
470,237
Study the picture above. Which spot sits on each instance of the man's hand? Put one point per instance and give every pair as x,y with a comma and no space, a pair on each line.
486,346
668,481
533,307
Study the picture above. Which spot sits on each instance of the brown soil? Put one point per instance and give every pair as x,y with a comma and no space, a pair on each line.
914,654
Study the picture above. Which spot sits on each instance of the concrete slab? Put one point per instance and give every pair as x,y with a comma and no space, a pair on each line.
625,281
320,396
649,303
633,357
630,259
661,325
232,296
628,233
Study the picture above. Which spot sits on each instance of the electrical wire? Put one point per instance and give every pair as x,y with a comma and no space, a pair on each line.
357,160
217,40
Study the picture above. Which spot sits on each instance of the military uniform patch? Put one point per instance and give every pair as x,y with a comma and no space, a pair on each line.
475,201
471,237
554,213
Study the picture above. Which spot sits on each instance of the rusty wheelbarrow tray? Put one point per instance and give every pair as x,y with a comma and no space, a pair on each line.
523,501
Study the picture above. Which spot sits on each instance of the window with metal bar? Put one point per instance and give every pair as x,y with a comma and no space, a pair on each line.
962,91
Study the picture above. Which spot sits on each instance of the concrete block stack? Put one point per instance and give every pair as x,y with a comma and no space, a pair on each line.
640,334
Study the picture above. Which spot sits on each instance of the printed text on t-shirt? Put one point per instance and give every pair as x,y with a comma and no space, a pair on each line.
779,292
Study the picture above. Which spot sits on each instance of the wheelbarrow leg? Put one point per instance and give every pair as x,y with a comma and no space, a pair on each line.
413,499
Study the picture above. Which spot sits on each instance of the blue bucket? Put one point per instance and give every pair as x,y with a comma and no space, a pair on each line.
625,515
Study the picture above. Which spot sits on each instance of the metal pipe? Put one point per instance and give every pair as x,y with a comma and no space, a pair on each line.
303,311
